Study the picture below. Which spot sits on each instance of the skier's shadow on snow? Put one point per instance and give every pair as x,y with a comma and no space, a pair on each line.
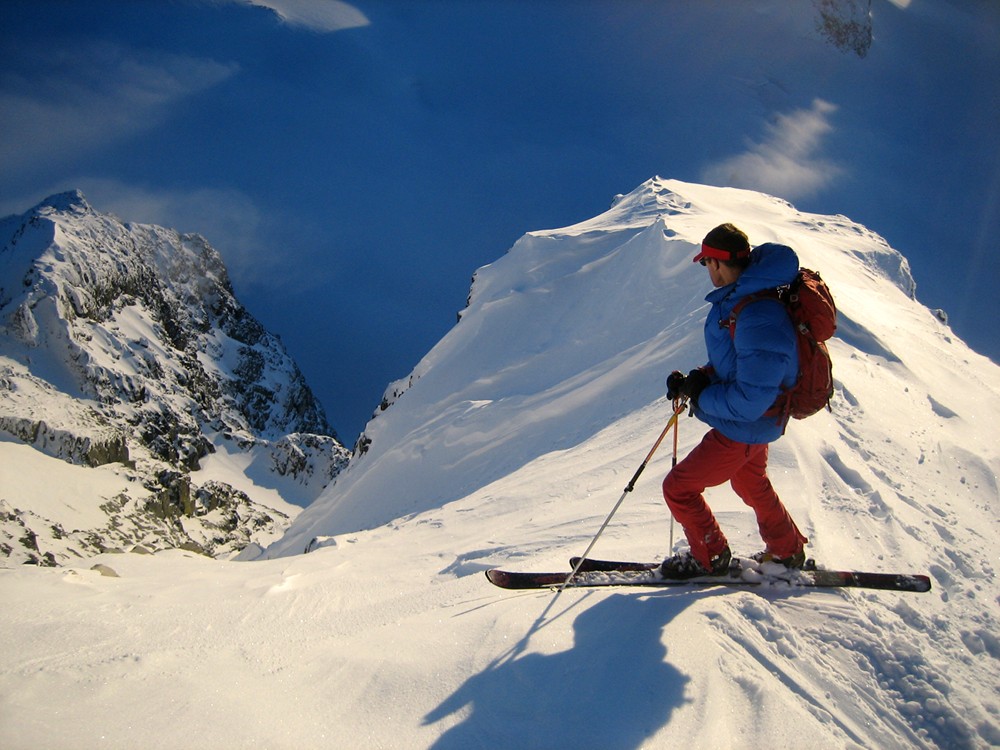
612,690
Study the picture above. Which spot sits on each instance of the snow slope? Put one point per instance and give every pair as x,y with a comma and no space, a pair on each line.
508,446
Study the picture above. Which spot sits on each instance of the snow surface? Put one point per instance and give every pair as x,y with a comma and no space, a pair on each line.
507,446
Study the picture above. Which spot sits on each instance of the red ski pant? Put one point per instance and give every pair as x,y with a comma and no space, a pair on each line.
715,460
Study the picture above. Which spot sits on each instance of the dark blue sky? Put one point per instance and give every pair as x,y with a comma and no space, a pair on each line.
354,178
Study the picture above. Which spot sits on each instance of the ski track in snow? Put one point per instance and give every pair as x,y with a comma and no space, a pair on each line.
888,694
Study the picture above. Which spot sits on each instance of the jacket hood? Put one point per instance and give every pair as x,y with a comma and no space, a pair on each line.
771,265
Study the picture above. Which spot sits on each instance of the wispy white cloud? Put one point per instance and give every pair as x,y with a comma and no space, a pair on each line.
786,163
319,15
89,95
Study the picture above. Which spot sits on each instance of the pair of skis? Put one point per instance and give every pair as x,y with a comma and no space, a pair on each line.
742,572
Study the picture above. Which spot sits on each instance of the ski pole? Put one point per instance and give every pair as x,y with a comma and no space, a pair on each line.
678,410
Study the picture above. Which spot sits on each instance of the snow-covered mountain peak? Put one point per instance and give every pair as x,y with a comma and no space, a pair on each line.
655,198
69,201
686,212
124,343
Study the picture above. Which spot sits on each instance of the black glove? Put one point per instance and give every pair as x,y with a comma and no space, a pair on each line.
694,384
675,382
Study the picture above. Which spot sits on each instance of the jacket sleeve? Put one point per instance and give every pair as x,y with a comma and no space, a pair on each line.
766,354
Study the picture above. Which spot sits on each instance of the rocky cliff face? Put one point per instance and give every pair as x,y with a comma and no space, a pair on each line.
122,346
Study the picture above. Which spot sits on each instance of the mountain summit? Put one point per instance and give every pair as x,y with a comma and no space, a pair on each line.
72,201
124,345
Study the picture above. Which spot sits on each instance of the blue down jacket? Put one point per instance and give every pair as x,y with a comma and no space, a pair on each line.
748,371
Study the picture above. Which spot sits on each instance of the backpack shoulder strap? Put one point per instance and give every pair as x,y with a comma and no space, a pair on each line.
730,322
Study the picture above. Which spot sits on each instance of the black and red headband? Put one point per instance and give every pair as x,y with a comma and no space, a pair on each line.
707,251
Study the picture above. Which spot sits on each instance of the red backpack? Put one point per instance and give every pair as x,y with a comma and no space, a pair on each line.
810,305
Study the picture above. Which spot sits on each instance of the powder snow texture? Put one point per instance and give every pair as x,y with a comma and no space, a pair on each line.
508,445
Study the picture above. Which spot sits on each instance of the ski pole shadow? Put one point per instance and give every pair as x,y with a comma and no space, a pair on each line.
612,689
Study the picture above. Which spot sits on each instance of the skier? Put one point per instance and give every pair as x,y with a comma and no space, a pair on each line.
746,371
